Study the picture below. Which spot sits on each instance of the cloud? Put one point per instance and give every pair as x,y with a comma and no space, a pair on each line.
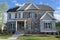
58,8
57,16
17,4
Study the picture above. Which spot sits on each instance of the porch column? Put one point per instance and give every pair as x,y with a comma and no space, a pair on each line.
16,25
25,25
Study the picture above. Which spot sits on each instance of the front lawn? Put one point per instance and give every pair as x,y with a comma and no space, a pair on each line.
4,36
49,37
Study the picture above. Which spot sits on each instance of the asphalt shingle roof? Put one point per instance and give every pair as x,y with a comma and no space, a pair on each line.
21,8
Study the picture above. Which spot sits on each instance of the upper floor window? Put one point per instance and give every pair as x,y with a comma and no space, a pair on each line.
12,15
47,26
21,15
32,15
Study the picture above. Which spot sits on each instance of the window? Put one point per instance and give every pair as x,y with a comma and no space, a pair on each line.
32,15
19,15
47,25
35,15
13,16
12,26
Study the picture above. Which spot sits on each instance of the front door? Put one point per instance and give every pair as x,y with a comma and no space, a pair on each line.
20,25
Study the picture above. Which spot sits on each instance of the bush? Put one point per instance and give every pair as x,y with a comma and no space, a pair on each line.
4,32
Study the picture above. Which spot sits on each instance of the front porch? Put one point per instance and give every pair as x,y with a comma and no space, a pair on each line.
20,25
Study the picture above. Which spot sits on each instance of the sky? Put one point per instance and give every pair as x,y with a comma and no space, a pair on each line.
55,4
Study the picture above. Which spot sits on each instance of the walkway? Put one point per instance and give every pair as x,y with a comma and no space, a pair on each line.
16,35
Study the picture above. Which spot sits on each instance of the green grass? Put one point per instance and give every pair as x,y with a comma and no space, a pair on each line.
4,36
50,37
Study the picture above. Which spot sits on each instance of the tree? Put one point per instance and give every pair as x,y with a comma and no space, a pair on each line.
3,7
58,25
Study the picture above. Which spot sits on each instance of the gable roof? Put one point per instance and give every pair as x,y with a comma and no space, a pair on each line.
45,8
48,14
28,5
32,6
23,7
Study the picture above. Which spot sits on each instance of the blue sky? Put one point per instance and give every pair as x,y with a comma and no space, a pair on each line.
55,4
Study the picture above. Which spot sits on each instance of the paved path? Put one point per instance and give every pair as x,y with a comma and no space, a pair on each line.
3,39
16,35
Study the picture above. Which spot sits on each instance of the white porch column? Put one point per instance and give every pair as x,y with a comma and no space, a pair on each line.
25,26
16,25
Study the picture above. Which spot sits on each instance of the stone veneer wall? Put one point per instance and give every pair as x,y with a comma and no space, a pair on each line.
33,26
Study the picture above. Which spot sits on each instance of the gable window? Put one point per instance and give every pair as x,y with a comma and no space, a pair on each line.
47,26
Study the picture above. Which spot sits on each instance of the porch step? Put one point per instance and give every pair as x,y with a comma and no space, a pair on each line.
19,32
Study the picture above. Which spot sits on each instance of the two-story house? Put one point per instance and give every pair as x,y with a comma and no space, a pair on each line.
31,18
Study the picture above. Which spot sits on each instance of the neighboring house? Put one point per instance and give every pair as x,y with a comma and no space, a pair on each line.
31,18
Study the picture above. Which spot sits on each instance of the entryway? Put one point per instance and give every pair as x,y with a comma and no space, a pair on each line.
20,25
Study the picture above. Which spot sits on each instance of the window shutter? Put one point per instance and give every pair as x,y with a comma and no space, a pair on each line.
9,16
15,15
35,15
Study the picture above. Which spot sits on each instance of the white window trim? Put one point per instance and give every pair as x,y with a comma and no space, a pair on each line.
12,15
32,15
21,14
47,25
